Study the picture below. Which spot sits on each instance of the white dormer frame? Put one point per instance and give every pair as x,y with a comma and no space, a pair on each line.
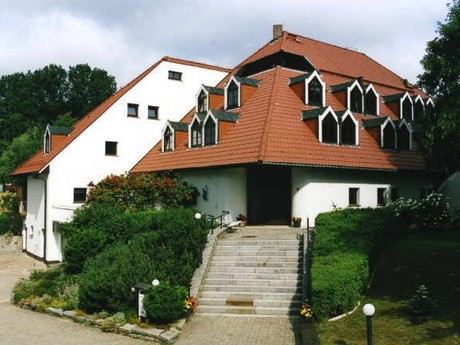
173,134
417,99
194,119
429,100
47,140
382,128
349,89
201,89
315,74
401,101
409,128
349,114
321,117
226,91
369,88
210,115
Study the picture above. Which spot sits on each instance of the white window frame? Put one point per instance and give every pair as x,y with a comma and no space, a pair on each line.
216,122
173,134
349,89
382,127
315,74
401,101
328,110
369,88
238,84
348,113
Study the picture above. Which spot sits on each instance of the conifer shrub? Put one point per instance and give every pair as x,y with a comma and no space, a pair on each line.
165,303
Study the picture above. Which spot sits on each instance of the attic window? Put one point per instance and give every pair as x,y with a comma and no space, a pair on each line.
152,112
168,140
404,138
202,102
407,109
173,75
196,135
370,102
209,132
389,137
232,95
133,110
329,129
348,131
47,147
315,93
356,100
418,109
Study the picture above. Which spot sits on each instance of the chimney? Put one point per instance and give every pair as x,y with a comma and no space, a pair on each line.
277,31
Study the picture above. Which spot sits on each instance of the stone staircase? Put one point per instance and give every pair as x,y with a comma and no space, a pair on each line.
253,275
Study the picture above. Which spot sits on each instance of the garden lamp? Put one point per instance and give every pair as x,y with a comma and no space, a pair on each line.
369,310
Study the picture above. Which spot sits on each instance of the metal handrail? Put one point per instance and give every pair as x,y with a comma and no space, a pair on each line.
221,217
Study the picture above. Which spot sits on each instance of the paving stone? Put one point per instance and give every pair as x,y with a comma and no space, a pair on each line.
148,332
169,335
180,324
128,327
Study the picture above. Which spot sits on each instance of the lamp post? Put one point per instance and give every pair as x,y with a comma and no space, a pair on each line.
198,216
369,310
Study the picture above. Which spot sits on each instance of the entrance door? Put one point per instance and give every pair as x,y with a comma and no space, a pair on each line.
269,195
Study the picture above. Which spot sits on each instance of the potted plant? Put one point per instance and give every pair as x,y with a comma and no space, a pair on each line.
242,219
296,221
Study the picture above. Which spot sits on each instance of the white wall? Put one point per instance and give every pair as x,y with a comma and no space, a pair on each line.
226,190
84,160
34,222
451,189
316,190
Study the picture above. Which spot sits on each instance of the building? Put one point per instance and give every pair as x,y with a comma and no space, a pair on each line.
298,128
108,140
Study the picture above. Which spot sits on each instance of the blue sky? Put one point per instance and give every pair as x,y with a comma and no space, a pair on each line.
126,36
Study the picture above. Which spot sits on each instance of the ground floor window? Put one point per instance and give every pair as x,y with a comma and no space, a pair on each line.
79,195
353,196
381,196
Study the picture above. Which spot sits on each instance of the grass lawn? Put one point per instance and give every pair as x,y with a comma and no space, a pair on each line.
432,259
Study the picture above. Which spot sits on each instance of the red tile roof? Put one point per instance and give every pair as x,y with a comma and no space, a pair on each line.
40,160
270,129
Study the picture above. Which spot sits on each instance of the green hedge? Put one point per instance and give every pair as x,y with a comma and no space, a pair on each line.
165,303
346,246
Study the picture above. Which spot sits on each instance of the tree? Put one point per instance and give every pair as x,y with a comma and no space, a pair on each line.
441,79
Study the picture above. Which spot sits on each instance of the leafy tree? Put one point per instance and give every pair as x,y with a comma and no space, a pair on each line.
441,79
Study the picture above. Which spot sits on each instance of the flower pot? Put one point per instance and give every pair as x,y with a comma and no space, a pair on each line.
296,224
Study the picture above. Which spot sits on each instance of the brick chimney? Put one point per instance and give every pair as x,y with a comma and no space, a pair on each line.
277,31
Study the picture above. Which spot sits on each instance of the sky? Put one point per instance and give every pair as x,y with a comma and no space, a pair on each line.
125,37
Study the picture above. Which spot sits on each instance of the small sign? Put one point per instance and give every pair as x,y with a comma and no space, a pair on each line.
141,311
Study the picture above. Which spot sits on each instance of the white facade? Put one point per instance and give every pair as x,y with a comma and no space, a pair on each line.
84,160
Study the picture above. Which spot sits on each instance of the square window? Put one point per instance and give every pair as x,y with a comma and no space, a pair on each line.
381,196
173,75
152,112
79,195
353,196
111,148
133,110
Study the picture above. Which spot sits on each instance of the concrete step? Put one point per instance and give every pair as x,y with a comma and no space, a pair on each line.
234,301
252,282
271,248
252,242
266,270
256,264
286,253
210,309
255,258
251,288
253,276
252,295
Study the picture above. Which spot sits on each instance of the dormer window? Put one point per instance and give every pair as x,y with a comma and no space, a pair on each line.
47,146
202,102
168,138
210,132
232,95
418,108
348,131
329,128
388,136
371,101
404,137
406,108
196,135
356,100
315,93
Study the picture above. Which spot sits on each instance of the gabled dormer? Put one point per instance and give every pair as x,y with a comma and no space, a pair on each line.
195,130
173,133
351,95
53,136
401,104
208,97
238,90
349,128
383,130
419,107
371,101
404,135
216,124
323,121
310,88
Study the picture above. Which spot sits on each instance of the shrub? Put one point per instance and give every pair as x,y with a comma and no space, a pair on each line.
422,304
165,303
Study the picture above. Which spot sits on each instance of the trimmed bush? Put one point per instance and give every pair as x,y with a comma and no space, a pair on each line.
165,303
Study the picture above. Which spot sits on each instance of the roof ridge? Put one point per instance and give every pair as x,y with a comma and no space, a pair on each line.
195,63
271,106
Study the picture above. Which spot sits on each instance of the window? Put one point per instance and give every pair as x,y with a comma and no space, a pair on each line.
315,92
418,110
47,142
407,109
79,195
202,102
356,100
370,103
381,196
111,148
394,194
389,137
210,132
168,140
173,75
329,129
152,112
404,138
348,132
232,95
353,196
133,110
196,135
429,109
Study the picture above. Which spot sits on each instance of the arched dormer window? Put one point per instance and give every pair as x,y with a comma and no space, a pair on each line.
209,132
371,101
404,137
429,108
348,129
418,108
168,140
315,92
232,95
389,136
356,100
329,129
406,108
196,135
202,102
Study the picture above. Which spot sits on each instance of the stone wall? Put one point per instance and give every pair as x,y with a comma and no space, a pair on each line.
10,244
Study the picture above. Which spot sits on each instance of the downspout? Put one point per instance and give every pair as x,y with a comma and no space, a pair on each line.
45,218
